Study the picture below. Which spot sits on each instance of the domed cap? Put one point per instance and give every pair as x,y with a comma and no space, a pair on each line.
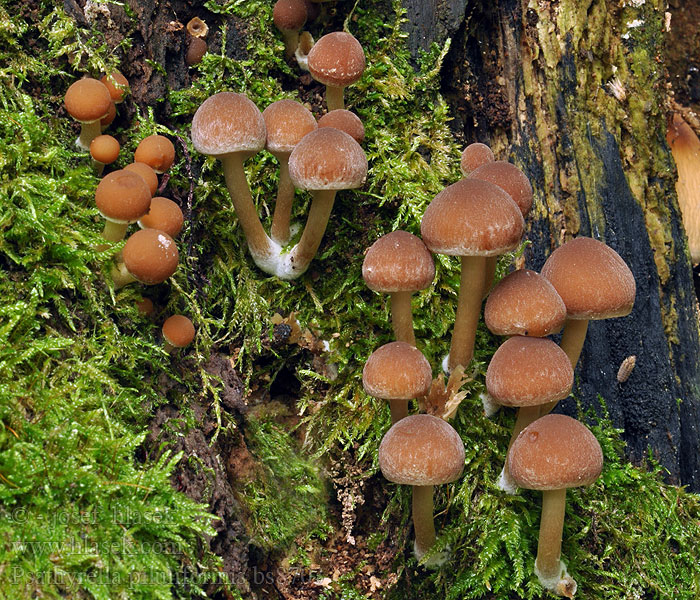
151,256
178,331
472,218
146,173
526,371
346,121
524,303
163,214
287,122
507,176
397,371
398,262
289,15
104,149
421,450
474,156
117,85
228,122
337,59
327,159
156,151
592,279
87,100
122,197
553,453
107,120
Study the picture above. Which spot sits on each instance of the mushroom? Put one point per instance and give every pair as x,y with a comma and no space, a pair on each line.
146,173
196,49
117,85
286,122
149,256
473,156
108,119
337,61
104,150
552,454
397,372
197,28
289,17
122,197
473,219
163,214
422,451
178,332
399,264
146,307
87,101
346,121
156,151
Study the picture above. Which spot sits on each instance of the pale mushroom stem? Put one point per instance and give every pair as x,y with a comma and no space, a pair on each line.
489,274
121,277
97,167
88,132
291,41
304,251
259,243
402,317
281,218
399,410
114,232
335,97
548,566
168,347
423,523
468,309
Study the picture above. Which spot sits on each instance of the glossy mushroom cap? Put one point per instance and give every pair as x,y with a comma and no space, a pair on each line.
327,159
397,371
474,156
87,100
151,256
228,122
507,176
117,85
165,215
146,173
286,122
289,15
591,278
122,197
104,149
472,217
526,371
156,151
398,262
555,452
337,59
346,121
196,49
524,303
178,331
421,450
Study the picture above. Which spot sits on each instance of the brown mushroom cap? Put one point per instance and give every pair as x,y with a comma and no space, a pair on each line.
346,121
151,256
163,214
122,197
398,262
287,122
474,156
178,331
507,176
156,151
524,303
228,122
421,450
289,15
337,59
591,278
196,49
87,100
527,371
146,307
117,85
108,119
397,371
327,159
146,173
553,453
472,217
104,149
197,28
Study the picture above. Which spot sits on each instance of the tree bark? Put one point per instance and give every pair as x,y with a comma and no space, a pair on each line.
574,94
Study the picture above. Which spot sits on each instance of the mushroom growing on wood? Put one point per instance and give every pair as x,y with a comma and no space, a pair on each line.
474,156
87,101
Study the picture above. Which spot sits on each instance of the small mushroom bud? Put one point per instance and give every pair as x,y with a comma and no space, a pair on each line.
196,49
163,214
146,173
104,150
117,85
149,256
346,121
108,119
474,156
197,28
156,151
289,17
178,332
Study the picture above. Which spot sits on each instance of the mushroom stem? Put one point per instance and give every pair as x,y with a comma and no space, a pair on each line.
121,277
335,98
548,566
423,523
259,243
97,167
291,41
468,309
402,317
304,251
88,132
399,410
113,231
279,230
168,347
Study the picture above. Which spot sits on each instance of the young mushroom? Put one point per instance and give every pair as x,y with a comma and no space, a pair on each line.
117,85
306,42
146,173
122,198
178,332
108,119
156,151
552,454
165,215
474,156
87,101
196,49
346,121
104,150
149,256
422,451
289,16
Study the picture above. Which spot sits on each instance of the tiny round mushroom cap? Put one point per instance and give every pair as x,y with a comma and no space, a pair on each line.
289,15
507,176
397,371
228,122
163,214
196,49
337,59
553,453
327,159
524,303
346,121
146,173
122,197
472,217
591,278
474,156
421,450
104,149
87,100
156,151
151,256
178,331
117,85
398,262
527,371
287,122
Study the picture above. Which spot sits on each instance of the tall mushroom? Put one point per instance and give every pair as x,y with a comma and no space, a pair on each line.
289,17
